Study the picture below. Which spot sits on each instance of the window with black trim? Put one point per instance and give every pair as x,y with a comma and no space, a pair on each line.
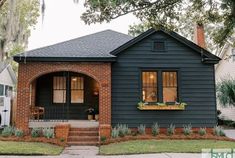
77,90
59,89
159,46
160,86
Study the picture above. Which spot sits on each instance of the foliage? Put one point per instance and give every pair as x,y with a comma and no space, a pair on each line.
226,91
171,129
177,15
17,17
8,131
35,132
103,139
48,132
163,146
19,133
218,131
123,130
141,129
155,129
115,132
187,129
202,131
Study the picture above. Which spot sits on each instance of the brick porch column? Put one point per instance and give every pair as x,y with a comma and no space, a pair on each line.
105,103
23,95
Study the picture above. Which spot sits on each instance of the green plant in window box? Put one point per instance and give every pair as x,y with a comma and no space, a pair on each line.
160,104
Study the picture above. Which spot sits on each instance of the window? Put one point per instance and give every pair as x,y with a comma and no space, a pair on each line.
59,89
169,80
77,90
1,90
149,86
158,46
159,86
8,91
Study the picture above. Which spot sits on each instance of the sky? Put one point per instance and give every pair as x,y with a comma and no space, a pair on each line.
62,22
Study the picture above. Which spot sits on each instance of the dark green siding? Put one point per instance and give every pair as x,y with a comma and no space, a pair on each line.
196,85
44,98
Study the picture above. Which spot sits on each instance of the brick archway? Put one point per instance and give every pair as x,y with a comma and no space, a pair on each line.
99,71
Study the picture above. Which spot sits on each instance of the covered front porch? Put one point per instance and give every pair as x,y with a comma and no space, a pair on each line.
61,92
63,96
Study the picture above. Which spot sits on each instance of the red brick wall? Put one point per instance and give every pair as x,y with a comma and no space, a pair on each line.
30,71
62,131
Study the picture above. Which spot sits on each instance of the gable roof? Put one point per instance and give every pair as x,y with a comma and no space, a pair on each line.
93,47
207,56
5,65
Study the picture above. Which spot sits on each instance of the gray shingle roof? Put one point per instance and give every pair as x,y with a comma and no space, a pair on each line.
97,45
3,65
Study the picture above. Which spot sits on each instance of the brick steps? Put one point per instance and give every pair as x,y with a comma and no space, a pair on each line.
83,136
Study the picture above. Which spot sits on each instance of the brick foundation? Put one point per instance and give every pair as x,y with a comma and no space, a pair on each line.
29,72
62,131
105,130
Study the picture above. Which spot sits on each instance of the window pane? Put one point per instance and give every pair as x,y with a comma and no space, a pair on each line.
77,96
169,80
59,89
149,86
59,96
1,89
77,91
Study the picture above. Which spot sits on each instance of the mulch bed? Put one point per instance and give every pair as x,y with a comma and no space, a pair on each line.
164,136
54,141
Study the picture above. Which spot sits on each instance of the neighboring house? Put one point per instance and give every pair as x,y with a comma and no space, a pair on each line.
224,70
116,72
7,83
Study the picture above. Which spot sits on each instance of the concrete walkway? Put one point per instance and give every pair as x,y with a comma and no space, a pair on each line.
230,133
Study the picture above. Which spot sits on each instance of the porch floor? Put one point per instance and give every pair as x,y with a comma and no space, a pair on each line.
73,123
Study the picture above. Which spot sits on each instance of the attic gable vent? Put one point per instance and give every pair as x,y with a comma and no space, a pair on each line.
159,45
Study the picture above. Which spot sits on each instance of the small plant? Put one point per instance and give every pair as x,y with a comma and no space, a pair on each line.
8,131
202,131
62,139
48,132
171,130
155,129
103,139
187,129
123,129
141,129
115,132
218,131
19,133
35,132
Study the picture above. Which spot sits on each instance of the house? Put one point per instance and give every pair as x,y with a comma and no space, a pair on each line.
226,69
116,72
7,83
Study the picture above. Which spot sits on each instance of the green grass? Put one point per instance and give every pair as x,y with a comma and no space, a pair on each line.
28,148
159,146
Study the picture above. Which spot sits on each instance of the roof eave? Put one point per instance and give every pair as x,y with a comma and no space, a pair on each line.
64,59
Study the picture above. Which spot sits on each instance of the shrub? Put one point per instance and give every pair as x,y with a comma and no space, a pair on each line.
123,129
134,133
62,139
48,132
115,132
8,131
232,124
155,129
35,132
19,133
218,131
141,129
171,129
187,129
202,131
103,139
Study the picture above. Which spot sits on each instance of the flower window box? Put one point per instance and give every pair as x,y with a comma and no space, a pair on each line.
161,106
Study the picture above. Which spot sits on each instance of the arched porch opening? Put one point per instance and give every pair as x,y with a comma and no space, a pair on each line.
63,96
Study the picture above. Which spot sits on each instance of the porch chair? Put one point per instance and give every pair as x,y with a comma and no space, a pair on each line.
36,112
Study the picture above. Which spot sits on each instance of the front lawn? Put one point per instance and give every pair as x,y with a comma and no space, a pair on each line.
28,148
159,146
